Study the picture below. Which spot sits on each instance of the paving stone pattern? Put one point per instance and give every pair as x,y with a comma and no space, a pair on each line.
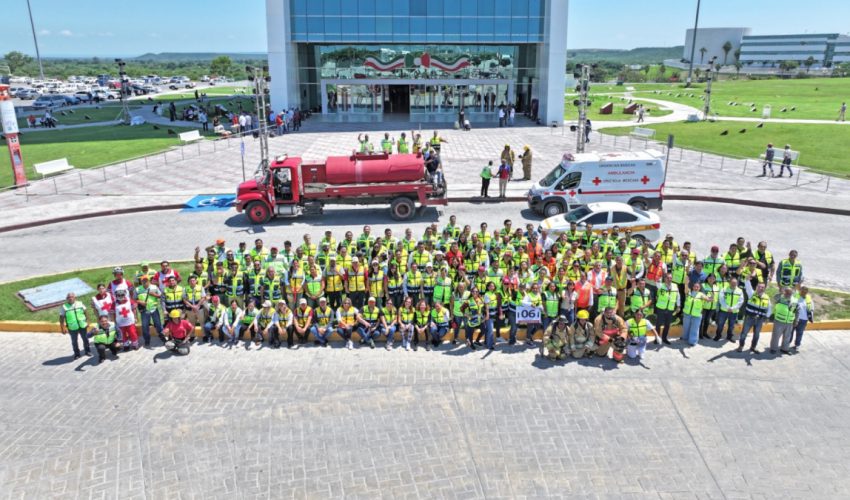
318,423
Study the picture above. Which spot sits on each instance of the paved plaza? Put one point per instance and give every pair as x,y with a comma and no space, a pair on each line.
705,422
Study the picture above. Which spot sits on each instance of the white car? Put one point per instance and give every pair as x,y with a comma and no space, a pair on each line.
605,215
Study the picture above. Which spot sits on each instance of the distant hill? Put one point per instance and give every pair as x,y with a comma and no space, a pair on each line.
640,55
198,56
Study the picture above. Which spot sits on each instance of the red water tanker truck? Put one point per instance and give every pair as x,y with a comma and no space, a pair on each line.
290,187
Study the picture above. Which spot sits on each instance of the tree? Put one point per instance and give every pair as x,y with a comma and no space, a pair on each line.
702,52
738,66
221,65
662,69
717,69
16,60
737,54
809,63
727,47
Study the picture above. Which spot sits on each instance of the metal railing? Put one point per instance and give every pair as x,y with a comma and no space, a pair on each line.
805,176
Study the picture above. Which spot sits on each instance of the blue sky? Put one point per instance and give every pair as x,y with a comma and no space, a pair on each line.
110,28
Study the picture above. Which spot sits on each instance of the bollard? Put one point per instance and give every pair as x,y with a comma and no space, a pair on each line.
199,148
215,145
828,178
126,170
797,184
104,173
701,154
182,155
681,152
630,143
165,158
722,159
146,162
745,166
55,187
27,192
81,178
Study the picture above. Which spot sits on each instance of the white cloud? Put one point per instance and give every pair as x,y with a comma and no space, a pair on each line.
44,32
66,33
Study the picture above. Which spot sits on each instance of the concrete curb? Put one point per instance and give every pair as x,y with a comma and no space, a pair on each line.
470,199
675,331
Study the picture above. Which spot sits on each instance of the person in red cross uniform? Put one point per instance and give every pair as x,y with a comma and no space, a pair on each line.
125,319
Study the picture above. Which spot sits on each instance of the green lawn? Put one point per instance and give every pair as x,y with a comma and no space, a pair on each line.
815,98
212,91
822,147
88,147
571,111
104,114
13,308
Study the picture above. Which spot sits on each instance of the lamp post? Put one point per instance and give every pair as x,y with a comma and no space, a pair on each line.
124,116
707,108
260,78
35,40
693,47
582,72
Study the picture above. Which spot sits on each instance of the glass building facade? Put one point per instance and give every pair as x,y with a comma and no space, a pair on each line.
414,56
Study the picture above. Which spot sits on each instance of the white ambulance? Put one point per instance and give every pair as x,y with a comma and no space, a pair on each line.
636,178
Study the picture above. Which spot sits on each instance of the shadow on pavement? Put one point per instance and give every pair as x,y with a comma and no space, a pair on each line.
333,217
62,360
91,361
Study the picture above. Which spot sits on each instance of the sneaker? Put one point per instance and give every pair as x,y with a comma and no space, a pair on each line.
325,345
512,342
415,347
665,341
406,347
740,349
349,345
755,351
316,342
785,351
88,353
371,343
529,342
716,338
389,346
78,356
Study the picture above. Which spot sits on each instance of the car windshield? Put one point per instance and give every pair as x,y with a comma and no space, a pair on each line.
576,214
553,176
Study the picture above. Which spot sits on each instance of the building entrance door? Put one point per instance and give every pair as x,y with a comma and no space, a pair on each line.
398,97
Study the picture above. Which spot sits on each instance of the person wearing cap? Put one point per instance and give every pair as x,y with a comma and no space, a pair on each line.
606,327
104,337
120,283
709,310
355,284
581,336
323,326
638,327
262,325
554,345
526,163
144,270
125,319
216,312
440,318
73,321
276,261
370,324
607,296
178,333
194,302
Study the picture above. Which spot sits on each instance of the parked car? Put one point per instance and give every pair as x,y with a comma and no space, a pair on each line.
70,100
605,215
83,96
205,78
189,85
28,94
48,101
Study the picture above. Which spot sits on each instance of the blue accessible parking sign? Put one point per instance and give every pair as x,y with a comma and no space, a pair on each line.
210,203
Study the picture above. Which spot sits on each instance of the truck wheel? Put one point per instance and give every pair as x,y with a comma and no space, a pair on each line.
553,209
402,208
258,212
639,203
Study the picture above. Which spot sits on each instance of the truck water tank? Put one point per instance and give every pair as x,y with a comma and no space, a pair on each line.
362,169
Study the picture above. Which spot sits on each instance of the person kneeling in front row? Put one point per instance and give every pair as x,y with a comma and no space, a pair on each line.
178,333
104,337
555,340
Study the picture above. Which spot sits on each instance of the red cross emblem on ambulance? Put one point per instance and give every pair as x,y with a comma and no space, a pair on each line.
644,180
597,181
572,194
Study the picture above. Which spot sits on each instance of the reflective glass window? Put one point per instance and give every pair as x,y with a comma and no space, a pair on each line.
333,25
366,7
451,26
434,7
299,7
468,7
486,7
451,7
519,8
417,7
299,24
331,7
401,7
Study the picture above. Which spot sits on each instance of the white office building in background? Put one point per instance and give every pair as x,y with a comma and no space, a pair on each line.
713,40
770,50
